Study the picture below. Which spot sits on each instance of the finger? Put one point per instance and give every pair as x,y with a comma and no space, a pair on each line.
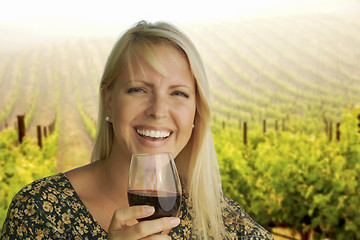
146,228
157,237
167,231
122,215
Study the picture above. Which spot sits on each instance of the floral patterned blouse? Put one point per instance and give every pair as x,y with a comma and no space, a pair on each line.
49,208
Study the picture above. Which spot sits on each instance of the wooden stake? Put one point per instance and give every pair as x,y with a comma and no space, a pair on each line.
21,127
45,131
264,126
338,131
39,137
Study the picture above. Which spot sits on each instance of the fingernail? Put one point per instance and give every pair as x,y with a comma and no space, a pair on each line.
148,210
175,221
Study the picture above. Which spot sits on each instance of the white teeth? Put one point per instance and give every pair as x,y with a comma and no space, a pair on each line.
153,134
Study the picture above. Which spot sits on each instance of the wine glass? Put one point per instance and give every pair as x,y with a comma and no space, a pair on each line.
154,181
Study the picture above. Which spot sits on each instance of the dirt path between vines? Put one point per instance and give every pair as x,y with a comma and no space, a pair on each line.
75,144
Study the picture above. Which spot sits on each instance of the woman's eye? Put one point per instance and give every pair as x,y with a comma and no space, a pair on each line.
180,94
136,90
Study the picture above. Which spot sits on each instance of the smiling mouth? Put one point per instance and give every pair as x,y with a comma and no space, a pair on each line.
153,134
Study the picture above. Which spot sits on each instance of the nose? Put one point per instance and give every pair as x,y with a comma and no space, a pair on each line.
158,107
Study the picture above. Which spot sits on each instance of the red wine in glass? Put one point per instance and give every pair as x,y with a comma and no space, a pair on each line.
154,181
166,204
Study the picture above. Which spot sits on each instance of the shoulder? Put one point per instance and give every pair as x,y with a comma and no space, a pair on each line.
32,210
45,189
239,223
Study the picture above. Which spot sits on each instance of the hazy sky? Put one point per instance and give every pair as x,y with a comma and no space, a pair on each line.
26,20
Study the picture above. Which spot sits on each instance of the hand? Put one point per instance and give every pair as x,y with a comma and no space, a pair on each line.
120,230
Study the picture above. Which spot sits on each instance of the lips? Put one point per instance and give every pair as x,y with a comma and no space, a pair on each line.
155,134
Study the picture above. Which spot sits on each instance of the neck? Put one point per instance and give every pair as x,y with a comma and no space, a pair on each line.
113,178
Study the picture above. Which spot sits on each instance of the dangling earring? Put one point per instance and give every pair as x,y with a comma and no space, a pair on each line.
107,118
193,126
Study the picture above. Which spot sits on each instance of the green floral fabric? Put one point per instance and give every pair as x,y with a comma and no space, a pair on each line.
49,208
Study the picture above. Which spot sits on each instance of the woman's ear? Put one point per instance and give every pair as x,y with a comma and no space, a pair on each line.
106,100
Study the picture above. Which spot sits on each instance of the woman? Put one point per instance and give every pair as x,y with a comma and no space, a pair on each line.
154,98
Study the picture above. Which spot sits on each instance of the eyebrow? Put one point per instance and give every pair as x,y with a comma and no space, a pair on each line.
151,85
179,85
138,81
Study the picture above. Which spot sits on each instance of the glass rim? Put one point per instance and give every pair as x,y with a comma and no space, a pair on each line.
151,154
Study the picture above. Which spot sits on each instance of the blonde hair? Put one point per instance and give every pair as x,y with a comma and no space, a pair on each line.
202,176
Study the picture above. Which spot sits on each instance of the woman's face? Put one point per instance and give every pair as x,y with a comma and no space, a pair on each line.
151,112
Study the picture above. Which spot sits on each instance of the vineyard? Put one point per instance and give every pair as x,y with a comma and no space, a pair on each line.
285,95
